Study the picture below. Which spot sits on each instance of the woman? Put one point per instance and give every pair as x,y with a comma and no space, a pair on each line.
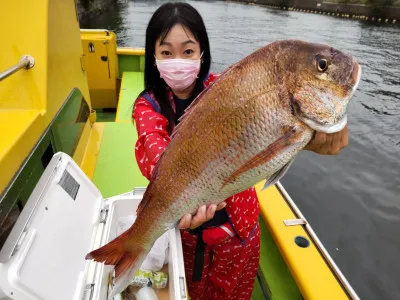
227,235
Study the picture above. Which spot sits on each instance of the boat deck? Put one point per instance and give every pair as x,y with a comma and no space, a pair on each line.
116,169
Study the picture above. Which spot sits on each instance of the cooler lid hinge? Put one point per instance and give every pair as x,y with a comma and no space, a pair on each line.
103,215
88,293
139,191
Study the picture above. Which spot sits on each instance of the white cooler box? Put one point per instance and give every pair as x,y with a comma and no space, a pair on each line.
65,218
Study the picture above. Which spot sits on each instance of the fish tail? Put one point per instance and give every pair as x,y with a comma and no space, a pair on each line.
127,260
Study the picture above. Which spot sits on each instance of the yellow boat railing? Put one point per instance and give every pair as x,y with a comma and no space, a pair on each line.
26,62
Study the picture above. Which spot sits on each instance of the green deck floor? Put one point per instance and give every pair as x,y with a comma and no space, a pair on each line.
131,86
274,271
117,171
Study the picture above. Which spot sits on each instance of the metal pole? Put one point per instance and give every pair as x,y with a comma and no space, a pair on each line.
353,295
26,62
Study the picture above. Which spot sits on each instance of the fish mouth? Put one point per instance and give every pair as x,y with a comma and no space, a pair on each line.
354,80
326,128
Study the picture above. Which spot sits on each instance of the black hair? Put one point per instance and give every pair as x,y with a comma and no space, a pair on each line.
163,19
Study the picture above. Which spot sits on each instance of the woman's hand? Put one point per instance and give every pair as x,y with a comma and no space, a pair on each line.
329,143
203,215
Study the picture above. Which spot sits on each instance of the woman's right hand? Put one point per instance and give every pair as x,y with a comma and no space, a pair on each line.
202,215
329,143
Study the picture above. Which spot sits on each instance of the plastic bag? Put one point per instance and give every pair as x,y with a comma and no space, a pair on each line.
158,255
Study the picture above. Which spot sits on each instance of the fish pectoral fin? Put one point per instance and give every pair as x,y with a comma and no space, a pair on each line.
273,150
277,175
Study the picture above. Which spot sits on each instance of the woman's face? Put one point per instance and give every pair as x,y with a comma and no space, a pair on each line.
179,43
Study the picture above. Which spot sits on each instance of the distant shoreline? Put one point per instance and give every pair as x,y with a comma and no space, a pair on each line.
368,10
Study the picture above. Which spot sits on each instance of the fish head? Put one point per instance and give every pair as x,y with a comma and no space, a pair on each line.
323,81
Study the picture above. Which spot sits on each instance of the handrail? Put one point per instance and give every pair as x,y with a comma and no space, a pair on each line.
25,62
350,291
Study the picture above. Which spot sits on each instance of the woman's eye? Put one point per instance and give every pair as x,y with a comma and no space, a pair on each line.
189,51
165,53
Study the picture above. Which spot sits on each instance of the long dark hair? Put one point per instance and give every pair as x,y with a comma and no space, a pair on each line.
163,19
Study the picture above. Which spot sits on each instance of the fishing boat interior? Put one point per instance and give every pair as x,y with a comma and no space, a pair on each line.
66,99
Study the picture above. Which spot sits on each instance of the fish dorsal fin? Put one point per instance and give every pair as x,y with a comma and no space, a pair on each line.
194,103
148,193
145,200
189,109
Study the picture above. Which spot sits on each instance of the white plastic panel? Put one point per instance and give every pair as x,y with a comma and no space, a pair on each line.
50,262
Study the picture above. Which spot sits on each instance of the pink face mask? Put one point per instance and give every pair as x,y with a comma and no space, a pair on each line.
178,73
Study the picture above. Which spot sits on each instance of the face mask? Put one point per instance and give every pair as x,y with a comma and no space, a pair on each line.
178,73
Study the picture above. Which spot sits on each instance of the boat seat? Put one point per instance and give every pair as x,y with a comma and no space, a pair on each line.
116,170
132,84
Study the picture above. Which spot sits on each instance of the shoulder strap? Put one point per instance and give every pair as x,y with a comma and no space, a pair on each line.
153,103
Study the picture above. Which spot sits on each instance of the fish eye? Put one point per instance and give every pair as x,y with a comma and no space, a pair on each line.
322,65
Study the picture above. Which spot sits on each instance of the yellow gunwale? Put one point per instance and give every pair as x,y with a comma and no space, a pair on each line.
130,51
309,269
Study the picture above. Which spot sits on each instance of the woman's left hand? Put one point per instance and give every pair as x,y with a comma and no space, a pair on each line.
329,143
203,214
